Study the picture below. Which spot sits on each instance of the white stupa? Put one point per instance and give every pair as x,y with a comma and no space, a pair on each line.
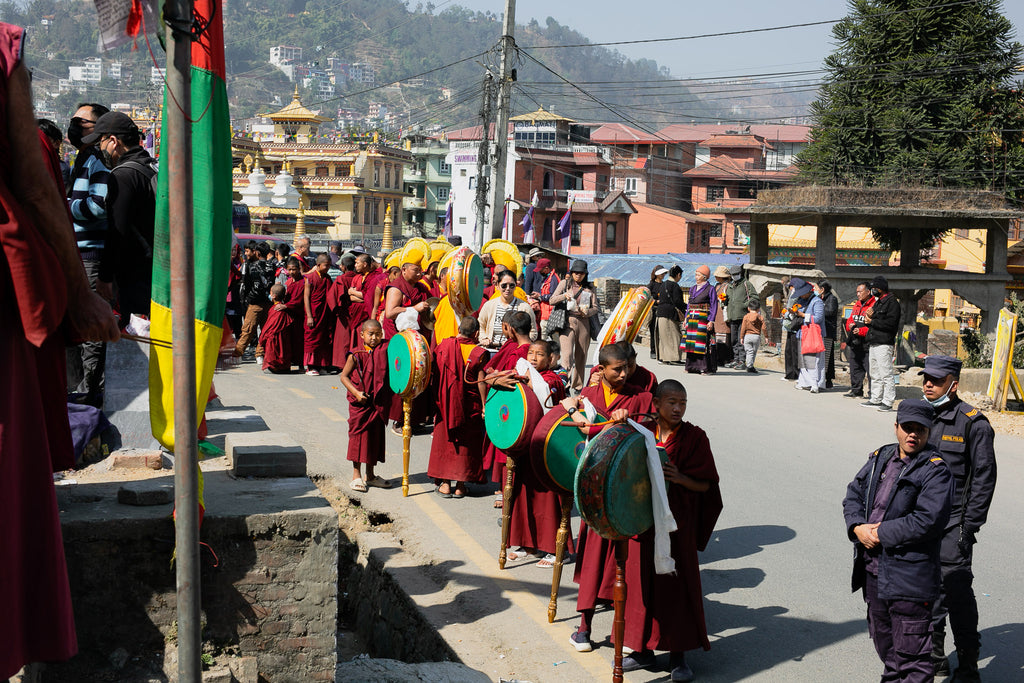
285,195
256,193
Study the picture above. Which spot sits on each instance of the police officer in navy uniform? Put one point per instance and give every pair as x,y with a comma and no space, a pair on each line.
896,510
964,438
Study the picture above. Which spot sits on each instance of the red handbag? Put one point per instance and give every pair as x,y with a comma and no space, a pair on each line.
810,339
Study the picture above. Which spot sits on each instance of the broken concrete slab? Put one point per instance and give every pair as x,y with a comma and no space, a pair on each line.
265,454
146,492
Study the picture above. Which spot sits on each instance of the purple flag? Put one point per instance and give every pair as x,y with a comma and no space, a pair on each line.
565,229
527,224
448,218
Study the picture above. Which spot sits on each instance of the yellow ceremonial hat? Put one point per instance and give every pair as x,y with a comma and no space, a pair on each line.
392,259
416,250
438,249
506,254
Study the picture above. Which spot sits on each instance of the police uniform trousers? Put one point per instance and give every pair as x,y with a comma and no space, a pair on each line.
902,634
957,598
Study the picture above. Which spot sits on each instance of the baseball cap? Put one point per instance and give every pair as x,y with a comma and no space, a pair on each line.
915,410
941,366
111,123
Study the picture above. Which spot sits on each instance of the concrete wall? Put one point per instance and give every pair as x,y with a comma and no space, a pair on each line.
272,594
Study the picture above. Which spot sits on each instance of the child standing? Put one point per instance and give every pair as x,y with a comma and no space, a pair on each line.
365,376
275,337
555,352
750,333
666,611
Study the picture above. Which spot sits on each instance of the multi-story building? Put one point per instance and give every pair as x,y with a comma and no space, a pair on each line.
344,190
361,73
88,72
549,157
283,54
427,184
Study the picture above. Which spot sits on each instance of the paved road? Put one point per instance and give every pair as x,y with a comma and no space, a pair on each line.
776,574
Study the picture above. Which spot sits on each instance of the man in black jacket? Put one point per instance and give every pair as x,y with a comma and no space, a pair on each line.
131,211
257,278
964,437
896,509
883,325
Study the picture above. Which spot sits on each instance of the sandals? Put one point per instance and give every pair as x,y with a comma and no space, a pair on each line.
357,485
459,492
312,373
379,482
517,553
547,562
499,501
443,494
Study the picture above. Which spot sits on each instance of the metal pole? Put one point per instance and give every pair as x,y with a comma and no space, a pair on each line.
178,148
499,158
480,230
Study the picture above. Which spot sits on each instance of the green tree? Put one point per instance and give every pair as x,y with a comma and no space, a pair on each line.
920,93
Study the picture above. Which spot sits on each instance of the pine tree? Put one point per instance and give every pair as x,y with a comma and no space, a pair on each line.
920,93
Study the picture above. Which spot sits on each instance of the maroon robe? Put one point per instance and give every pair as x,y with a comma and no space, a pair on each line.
294,290
595,557
665,612
359,311
642,379
423,410
505,359
341,306
317,346
412,293
536,511
276,340
457,446
366,422
35,438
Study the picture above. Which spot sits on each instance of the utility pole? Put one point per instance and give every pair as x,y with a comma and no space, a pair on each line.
178,148
499,157
482,168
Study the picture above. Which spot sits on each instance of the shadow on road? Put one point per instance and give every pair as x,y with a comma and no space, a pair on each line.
1002,643
730,544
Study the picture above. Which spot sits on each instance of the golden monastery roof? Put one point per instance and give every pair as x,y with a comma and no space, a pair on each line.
805,237
540,115
295,111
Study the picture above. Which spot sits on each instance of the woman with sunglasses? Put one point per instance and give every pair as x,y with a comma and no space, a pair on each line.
494,311
581,301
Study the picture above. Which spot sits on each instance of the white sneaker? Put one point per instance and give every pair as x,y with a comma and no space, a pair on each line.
259,360
814,389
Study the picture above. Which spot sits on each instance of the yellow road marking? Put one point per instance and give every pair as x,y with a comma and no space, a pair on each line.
300,393
487,562
332,415
268,378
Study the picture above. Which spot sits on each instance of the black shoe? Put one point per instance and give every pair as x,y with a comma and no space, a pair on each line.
853,394
638,660
752,370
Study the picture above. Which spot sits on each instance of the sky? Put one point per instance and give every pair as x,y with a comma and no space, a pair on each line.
786,50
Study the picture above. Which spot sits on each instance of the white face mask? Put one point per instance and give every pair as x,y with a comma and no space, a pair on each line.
944,399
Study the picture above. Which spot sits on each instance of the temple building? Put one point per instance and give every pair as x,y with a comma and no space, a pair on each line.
342,190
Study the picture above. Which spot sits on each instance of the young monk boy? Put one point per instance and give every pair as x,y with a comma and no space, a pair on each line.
595,559
536,513
365,375
319,323
456,450
296,288
666,611
275,337
555,350
636,375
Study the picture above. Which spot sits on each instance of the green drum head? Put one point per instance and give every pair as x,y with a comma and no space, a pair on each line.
629,503
474,274
400,365
505,416
562,451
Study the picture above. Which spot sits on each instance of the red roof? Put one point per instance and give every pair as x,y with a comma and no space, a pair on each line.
729,168
587,159
640,163
702,131
736,142
620,133
471,133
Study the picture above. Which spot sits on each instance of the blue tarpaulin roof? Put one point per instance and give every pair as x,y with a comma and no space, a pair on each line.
635,269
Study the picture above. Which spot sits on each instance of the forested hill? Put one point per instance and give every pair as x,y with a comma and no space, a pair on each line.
399,41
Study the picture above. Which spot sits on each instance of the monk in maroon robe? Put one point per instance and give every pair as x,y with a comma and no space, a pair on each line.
595,558
457,446
536,511
365,375
295,289
319,327
517,329
638,377
35,437
407,292
359,300
665,611
341,305
276,335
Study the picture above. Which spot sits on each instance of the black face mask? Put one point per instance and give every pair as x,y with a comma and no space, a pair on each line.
75,133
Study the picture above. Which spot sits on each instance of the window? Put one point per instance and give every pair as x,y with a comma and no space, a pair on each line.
376,175
741,234
528,174
961,233
355,210
576,234
322,171
318,203
446,169
375,218
472,182
442,193
716,231
462,172
609,233
549,230
629,186
747,191
299,171
568,182
367,212
716,193
462,220
549,180
387,175
705,238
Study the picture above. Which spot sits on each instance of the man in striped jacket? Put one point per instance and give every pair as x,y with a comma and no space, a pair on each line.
87,200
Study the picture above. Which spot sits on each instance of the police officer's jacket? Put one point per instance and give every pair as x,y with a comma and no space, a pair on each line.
964,437
912,527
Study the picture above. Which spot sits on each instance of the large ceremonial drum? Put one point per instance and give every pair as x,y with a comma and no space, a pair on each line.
627,317
613,489
555,450
408,363
510,416
464,280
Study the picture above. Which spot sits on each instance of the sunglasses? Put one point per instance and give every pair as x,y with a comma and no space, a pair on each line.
507,285
80,121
